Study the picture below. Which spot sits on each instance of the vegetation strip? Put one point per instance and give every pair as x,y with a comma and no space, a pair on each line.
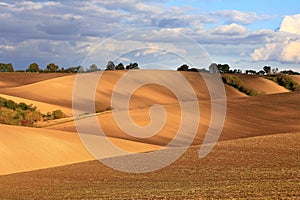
22,114
237,83
284,81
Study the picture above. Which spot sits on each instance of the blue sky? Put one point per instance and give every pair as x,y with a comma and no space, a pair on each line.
244,34
276,9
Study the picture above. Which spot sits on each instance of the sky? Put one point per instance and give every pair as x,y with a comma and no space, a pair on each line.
161,34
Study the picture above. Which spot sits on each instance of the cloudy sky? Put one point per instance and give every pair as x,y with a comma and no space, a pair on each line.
154,33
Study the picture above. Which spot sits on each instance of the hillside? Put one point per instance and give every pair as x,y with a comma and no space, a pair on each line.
296,78
59,90
15,79
26,149
261,85
258,168
256,131
246,117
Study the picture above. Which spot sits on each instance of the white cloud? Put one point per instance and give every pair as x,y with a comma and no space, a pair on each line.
291,24
285,47
264,53
291,52
231,29
70,29
30,5
235,16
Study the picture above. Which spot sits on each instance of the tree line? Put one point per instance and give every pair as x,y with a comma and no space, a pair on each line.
225,69
213,68
52,68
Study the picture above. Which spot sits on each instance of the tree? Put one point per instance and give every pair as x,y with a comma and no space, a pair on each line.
193,69
289,72
10,67
223,68
250,71
52,67
33,67
10,104
58,114
213,68
235,71
132,66
267,69
93,68
120,66
275,70
6,67
72,69
110,65
183,67
261,72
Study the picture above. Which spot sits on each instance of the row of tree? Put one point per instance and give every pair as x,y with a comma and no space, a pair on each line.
52,67
111,66
213,68
225,68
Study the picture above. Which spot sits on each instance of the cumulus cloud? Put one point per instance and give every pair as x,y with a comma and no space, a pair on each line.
231,29
66,31
285,47
291,24
235,16
290,52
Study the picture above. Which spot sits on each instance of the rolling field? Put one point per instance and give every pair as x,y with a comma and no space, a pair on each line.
264,167
257,156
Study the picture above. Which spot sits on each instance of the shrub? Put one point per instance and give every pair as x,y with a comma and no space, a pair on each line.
237,83
23,106
285,81
58,114
22,114
103,109
9,117
11,104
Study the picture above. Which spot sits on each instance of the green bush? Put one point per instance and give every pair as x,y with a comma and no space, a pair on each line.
9,117
10,104
237,83
58,114
21,114
285,81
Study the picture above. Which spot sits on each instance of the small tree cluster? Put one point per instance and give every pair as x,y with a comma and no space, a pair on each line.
289,72
6,67
223,68
10,104
56,114
111,66
33,67
185,67
20,114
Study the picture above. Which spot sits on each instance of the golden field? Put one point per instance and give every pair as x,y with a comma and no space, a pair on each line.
257,155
